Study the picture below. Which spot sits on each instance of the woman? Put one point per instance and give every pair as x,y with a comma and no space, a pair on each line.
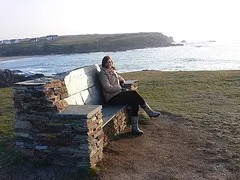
114,94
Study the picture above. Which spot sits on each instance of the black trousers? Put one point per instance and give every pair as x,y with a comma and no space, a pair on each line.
130,98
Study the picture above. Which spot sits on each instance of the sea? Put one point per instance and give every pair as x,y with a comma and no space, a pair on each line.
196,56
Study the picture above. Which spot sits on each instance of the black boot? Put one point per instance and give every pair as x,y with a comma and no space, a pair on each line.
135,128
149,111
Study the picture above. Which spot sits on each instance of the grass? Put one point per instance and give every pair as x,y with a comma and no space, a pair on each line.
6,114
75,39
208,99
8,156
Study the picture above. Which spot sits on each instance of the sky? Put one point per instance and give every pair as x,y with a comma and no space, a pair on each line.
190,20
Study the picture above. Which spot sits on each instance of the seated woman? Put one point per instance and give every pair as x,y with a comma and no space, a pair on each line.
114,94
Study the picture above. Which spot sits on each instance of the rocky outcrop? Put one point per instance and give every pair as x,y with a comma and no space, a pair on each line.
8,77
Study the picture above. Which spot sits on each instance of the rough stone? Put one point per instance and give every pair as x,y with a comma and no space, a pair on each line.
50,124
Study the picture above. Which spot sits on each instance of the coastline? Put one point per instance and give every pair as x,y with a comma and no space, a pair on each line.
9,58
12,58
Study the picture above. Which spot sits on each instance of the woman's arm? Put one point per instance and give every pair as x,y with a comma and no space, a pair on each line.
106,84
121,79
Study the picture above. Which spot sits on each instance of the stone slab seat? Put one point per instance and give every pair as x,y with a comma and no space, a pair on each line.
81,111
109,112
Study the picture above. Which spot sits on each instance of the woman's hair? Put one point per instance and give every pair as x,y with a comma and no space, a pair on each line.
105,60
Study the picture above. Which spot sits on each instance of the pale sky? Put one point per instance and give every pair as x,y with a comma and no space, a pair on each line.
190,20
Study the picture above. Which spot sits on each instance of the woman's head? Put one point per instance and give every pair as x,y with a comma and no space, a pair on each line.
107,62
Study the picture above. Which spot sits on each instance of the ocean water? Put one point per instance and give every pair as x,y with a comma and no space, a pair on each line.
190,57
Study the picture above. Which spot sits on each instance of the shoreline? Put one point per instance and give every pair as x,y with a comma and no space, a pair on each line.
12,58
9,58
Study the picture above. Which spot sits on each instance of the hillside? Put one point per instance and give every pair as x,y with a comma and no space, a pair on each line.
87,43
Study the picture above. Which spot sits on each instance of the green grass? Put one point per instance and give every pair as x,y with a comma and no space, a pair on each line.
6,114
191,94
75,39
210,99
8,156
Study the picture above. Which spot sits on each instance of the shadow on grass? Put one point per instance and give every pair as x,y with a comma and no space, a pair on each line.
174,117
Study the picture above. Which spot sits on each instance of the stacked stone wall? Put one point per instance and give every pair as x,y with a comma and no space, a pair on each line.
116,126
56,92
44,131
35,103
78,141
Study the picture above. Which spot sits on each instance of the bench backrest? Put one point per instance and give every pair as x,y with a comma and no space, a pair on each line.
83,86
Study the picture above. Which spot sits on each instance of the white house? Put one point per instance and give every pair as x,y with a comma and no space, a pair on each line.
52,37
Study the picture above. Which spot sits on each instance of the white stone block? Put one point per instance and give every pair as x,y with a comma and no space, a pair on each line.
79,80
86,97
78,99
76,81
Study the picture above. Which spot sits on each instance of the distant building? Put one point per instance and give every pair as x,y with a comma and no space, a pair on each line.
25,40
36,39
11,41
52,37
6,42
14,41
17,41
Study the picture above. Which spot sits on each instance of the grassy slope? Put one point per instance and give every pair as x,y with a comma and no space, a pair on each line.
209,100
87,38
79,39
75,39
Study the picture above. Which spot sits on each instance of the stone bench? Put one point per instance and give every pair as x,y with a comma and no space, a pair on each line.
64,120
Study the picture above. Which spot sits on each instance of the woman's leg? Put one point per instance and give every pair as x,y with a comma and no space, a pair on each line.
149,111
127,97
131,98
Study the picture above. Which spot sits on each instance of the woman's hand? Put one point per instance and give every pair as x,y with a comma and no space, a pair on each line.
122,83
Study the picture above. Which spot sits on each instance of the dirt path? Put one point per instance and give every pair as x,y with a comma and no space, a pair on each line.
170,148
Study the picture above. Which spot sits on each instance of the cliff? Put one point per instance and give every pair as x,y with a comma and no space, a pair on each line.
87,43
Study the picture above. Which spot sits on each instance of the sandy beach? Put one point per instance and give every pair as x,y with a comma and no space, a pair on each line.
12,58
